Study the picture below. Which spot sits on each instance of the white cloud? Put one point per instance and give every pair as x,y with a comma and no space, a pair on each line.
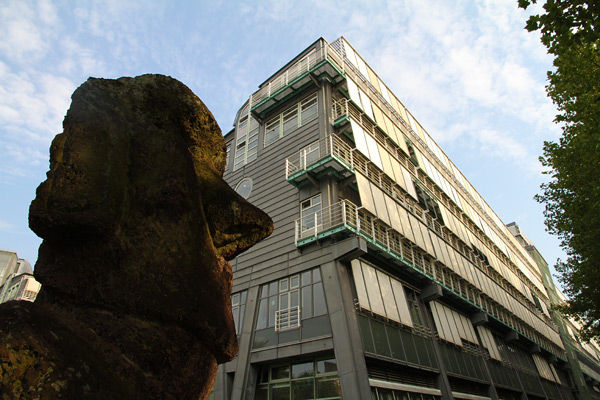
27,28
34,103
467,70
5,226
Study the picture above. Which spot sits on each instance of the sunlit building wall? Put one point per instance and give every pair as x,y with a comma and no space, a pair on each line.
387,275
16,278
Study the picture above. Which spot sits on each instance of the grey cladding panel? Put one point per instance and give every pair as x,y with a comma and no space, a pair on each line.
274,195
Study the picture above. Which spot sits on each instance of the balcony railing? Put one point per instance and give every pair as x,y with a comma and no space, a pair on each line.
317,152
287,319
300,68
346,216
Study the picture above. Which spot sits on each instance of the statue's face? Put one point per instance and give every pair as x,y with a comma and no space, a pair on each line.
135,213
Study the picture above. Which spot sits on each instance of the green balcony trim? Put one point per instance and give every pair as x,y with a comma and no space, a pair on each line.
332,157
340,120
298,78
407,263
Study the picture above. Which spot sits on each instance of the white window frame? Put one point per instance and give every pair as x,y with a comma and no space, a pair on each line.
316,223
279,120
288,318
246,140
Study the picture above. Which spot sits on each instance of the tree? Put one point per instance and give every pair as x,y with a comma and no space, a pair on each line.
570,29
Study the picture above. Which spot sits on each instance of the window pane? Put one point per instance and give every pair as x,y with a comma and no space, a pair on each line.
307,302
264,291
294,281
272,288
272,131
312,153
316,275
262,314
280,392
239,327
284,301
302,370
309,109
272,309
283,285
282,372
328,387
308,221
294,298
261,394
264,375
319,299
236,311
306,278
303,389
326,366
290,121
235,300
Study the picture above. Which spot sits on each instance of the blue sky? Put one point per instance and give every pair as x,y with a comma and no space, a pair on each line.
467,70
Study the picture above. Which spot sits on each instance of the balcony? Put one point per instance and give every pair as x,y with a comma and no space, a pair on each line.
287,319
329,155
346,218
320,61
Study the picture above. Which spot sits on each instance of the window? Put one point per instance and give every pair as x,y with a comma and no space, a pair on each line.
308,109
311,379
309,154
411,153
272,130
246,143
291,119
227,155
284,303
428,203
244,187
238,305
310,213
413,306
288,314
380,293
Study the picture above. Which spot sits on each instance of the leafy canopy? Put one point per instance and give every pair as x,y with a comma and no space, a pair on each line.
570,29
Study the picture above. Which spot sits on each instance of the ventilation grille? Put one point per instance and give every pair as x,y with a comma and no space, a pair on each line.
470,387
401,374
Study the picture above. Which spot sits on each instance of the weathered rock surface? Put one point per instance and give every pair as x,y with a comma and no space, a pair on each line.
137,223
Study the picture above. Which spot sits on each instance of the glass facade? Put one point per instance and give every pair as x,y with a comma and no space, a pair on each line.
314,379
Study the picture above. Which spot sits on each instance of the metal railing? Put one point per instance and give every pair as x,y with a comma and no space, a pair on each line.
287,319
345,215
337,215
296,70
314,152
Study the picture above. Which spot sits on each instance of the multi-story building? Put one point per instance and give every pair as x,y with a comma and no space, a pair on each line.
583,357
387,275
16,278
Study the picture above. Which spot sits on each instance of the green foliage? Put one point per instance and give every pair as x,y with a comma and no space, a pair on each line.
571,31
565,23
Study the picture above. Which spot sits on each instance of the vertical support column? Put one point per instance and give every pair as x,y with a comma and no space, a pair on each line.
477,319
347,343
219,389
244,380
433,292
